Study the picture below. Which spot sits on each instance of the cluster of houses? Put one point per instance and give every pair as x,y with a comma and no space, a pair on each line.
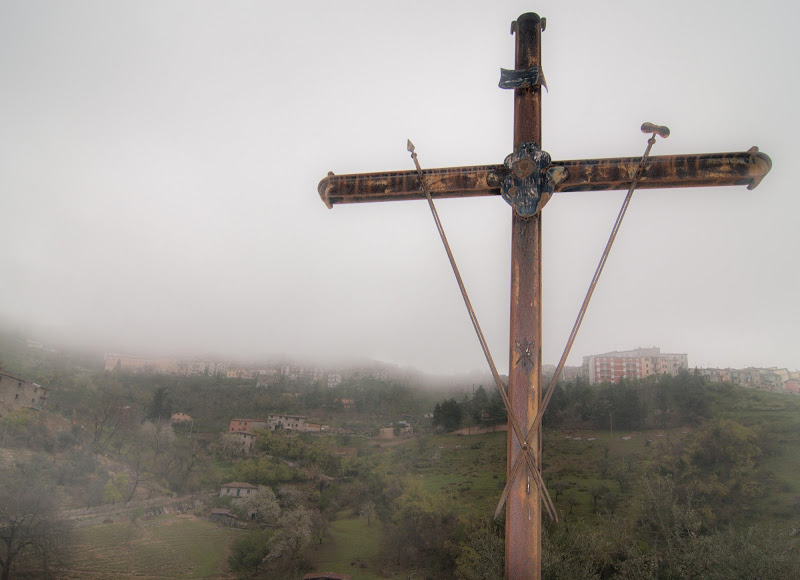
771,379
265,375
640,363
243,430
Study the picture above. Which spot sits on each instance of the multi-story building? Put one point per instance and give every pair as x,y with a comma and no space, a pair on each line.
17,392
632,364
203,367
239,374
246,425
137,364
289,422
754,378
163,366
302,373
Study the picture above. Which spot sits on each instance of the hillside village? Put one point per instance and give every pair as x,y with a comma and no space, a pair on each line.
298,456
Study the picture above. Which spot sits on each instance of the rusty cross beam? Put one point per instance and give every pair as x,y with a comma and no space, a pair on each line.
665,171
526,180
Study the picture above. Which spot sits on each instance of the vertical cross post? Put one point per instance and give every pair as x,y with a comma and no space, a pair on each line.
523,507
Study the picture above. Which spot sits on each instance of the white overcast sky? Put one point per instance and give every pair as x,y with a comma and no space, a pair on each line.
159,163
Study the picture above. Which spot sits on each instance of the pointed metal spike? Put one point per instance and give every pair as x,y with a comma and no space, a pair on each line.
410,146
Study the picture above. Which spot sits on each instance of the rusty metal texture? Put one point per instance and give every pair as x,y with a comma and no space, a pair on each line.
662,171
401,185
524,502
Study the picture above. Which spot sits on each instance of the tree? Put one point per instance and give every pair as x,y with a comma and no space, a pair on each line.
447,415
263,504
596,492
31,530
319,525
571,500
669,526
109,419
116,488
250,554
497,409
558,487
161,405
482,555
293,536
715,467
622,478
367,511
611,501
571,551
421,528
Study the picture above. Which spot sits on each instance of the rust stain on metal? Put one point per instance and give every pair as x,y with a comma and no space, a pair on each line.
662,171
523,516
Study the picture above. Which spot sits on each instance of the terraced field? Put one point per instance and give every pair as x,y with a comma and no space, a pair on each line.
180,546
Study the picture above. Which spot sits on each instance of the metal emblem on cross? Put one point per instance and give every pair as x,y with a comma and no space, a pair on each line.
527,180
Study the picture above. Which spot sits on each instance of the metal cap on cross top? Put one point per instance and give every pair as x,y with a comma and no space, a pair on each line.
527,179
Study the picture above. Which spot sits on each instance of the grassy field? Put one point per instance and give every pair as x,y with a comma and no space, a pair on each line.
469,472
352,548
164,547
776,419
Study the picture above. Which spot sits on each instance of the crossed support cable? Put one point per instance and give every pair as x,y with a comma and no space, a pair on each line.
529,457
646,128
527,451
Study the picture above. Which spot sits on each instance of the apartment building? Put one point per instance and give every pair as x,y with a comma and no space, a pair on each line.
638,363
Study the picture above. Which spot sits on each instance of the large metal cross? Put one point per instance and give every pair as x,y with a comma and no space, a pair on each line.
526,181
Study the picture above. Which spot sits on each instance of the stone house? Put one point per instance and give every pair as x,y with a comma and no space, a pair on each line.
17,392
246,425
289,422
236,489
246,441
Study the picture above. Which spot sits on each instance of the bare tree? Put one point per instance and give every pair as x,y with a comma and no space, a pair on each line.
368,511
106,415
32,533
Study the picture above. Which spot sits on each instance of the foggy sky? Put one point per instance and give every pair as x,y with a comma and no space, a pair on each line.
159,164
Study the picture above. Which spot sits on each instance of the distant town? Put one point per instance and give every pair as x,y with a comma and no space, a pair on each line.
613,367
610,367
